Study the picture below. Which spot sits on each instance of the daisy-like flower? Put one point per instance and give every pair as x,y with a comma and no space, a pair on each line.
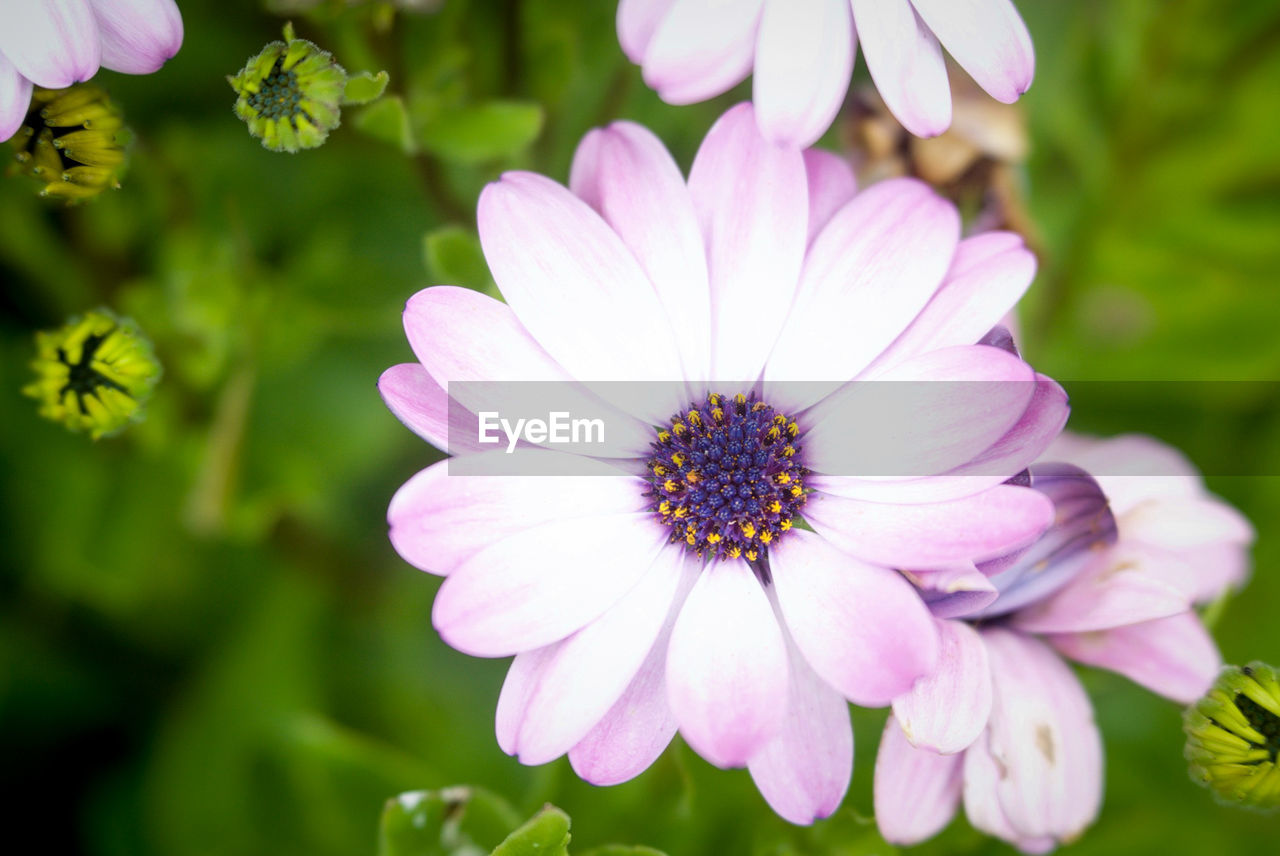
802,54
685,596
55,43
1004,724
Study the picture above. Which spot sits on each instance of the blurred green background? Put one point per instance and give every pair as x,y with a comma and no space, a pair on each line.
207,644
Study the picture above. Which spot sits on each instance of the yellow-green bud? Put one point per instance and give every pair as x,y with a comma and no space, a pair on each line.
1233,737
94,373
290,94
72,141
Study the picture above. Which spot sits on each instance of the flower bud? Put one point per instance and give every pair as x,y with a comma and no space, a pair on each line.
94,373
1233,737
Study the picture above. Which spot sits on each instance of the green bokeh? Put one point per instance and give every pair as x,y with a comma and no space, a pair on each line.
207,645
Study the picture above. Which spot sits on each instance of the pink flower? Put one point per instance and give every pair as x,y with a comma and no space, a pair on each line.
55,43
802,54
639,605
1003,724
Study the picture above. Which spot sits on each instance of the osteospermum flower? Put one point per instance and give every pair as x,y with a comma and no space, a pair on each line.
55,43
93,374
685,596
72,142
1003,724
1233,737
802,53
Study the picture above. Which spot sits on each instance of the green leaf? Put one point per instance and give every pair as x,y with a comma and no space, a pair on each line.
483,132
453,256
623,850
365,87
388,121
459,821
547,834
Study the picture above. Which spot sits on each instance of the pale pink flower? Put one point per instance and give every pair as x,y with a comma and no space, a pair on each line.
55,43
764,267
1003,724
802,54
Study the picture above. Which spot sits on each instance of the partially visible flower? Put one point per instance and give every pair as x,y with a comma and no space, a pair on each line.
1233,737
1003,723
55,43
686,597
72,141
290,94
802,54
93,374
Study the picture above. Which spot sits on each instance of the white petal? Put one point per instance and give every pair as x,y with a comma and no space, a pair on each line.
727,666
906,64
804,56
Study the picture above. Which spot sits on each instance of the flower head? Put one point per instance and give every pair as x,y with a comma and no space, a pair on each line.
1233,737
802,53
736,583
56,44
93,374
72,141
290,94
1003,724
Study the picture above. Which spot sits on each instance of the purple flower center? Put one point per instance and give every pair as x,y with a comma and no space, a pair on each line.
727,477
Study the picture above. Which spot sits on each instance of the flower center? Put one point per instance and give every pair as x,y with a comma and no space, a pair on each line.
279,95
727,477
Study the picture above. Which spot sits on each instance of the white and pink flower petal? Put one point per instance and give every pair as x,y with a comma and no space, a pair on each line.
625,173
803,772
727,666
832,185
803,59
988,39
862,628
870,271
1175,656
15,98
540,584
946,710
138,36
906,63
701,48
752,201
52,43
916,791
983,526
584,675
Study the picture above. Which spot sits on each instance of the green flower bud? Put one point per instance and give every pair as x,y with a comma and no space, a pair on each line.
290,95
1233,737
94,373
73,141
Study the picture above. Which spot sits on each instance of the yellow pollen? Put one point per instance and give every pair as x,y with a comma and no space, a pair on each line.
717,414
692,476
677,459
783,478
739,399
695,418
773,433
793,429
659,470
679,429
752,555
690,539
796,490
664,508
669,485
766,536
748,529
785,525
713,538
735,552
681,511
664,436
775,507
788,451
